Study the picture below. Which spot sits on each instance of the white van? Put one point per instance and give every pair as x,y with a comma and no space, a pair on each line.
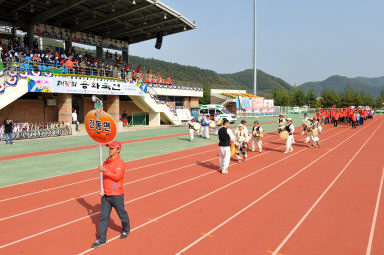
214,110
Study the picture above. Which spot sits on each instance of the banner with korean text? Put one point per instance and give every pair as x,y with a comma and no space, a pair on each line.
82,86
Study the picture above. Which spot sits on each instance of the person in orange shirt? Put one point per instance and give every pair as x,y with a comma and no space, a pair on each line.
336,119
113,171
36,58
69,63
354,118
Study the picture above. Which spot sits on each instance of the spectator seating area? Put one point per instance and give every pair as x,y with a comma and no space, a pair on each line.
60,61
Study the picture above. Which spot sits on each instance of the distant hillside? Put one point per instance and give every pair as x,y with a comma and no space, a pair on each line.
373,86
265,82
181,72
244,79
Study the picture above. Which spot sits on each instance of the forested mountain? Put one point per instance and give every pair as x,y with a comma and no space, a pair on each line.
265,82
372,86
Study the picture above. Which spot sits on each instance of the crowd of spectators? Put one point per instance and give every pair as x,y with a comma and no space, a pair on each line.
72,62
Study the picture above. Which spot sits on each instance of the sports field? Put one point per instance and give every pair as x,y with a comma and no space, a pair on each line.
311,201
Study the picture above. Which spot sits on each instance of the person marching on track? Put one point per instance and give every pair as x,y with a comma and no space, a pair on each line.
303,121
336,118
191,129
226,137
353,119
316,129
281,124
290,140
206,126
241,142
244,126
308,130
216,118
113,171
257,136
201,130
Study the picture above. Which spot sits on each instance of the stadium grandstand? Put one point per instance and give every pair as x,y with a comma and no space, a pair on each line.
41,84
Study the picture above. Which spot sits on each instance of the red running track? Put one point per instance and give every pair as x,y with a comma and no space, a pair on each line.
249,211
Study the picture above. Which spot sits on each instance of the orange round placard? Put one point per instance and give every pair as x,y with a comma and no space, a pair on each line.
100,128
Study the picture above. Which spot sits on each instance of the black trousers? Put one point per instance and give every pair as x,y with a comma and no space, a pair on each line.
107,202
335,123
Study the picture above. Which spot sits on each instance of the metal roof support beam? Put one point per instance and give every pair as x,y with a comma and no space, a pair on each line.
109,17
21,6
56,11
86,10
148,26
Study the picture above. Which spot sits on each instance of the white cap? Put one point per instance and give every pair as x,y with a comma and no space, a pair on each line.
289,119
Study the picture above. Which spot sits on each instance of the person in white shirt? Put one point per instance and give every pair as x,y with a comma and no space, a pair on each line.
74,120
201,131
257,136
226,137
191,129
245,126
315,135
304,121
216,118
241,142
206,121
290,128
281,122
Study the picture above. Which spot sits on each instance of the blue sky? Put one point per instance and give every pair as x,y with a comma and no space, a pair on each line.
297,40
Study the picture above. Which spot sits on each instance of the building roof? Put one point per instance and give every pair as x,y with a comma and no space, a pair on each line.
125,20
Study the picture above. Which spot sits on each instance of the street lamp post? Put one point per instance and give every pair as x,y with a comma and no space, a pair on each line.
254,51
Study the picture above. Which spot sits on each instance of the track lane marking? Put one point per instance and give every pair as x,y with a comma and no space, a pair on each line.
265,195
223,187
322,195
127,183
147,195
372,232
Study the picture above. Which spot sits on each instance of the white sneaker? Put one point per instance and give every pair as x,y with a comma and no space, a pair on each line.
260,151
224,171
285,152
253,150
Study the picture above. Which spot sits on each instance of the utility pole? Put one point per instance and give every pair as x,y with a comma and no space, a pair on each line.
254,52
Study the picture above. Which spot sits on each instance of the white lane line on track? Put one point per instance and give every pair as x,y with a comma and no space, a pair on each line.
208,194
132,200
97,192
371,234
258,199
322,195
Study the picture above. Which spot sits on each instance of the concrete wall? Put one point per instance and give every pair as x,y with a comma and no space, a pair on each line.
194,102
129,107
29,111
112,106
64,105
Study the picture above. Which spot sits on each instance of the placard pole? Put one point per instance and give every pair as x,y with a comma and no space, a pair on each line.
101,173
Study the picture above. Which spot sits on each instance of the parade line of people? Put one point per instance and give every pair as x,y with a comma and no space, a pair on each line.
230,143
243,140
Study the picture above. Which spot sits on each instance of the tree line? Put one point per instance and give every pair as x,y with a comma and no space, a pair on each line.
328,98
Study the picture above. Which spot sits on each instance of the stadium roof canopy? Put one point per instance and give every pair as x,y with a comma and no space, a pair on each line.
125,20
